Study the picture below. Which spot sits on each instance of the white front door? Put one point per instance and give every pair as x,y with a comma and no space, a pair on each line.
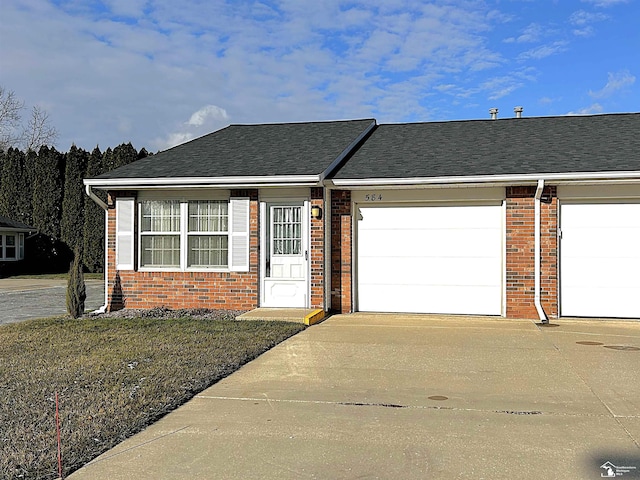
286,258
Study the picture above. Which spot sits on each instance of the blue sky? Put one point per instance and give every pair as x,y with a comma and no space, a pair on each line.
160,72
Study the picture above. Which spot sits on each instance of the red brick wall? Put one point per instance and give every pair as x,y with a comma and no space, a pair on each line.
549,251
316,253
520,256
341,245
223,290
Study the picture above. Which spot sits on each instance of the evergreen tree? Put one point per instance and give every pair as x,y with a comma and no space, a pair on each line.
143,153
93,255
124,154
108,161
74,198
29,167
47,192
47,253
2,157
76,289
15,192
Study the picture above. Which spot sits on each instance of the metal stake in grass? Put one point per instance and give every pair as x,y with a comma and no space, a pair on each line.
59,443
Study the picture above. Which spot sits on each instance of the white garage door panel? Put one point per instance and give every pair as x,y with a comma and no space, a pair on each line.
600,260
611,273
430,259
439,299
447,242
430,271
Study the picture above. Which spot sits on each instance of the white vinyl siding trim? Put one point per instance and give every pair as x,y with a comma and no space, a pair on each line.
239,235
125,208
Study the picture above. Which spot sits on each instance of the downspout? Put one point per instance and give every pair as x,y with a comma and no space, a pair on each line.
536,296
102,205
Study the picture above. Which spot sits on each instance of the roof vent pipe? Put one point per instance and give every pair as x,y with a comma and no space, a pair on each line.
518,111
494,113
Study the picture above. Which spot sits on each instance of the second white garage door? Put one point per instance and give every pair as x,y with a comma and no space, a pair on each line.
600,259
430,259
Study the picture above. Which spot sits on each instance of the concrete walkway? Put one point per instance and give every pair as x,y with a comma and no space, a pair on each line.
26,298
408,397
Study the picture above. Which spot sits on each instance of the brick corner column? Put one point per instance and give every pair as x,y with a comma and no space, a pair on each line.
341,248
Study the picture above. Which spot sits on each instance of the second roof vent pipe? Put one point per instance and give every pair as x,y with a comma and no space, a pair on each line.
494,113
518,111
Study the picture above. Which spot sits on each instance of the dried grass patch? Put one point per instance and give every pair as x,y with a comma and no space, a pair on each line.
114,376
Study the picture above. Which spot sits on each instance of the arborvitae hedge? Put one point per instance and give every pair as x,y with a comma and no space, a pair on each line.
44,189
15,190
93,230
71,229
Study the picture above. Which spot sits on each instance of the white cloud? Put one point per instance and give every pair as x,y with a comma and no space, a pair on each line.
544,51
160,72
581,18
616,82
590,110
583,21
205,113
205,120
532,33
605,3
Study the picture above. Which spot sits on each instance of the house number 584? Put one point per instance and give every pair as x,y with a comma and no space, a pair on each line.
373,197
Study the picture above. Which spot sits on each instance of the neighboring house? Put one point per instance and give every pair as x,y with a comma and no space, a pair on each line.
521,217
12,236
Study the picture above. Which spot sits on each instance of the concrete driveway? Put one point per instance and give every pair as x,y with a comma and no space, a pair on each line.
408,397
25,298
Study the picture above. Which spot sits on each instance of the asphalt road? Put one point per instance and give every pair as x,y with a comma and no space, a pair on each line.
23,299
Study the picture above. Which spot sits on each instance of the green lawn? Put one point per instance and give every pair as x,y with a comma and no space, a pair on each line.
114,377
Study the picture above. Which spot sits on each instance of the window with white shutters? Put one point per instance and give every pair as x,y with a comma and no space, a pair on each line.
194,234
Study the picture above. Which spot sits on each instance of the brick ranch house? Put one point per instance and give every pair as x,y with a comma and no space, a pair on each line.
520,217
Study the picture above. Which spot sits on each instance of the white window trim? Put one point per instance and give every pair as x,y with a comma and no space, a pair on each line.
184,235
18,246
141,234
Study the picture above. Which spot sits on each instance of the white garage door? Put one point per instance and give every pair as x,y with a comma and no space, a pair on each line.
430,259
600,260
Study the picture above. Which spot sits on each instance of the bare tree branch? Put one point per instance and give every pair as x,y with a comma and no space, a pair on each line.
10,116
38,131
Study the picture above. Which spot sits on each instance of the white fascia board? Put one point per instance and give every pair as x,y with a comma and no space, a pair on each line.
556,178
17,230
203,182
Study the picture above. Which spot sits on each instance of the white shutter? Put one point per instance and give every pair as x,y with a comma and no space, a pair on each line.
20,246
125,208
239,235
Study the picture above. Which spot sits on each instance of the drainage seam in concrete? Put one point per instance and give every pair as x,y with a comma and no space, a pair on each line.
416,407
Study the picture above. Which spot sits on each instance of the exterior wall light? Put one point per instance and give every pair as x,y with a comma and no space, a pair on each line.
316,212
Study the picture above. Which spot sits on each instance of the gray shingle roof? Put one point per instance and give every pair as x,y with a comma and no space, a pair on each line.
287,149
8,224
599,143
